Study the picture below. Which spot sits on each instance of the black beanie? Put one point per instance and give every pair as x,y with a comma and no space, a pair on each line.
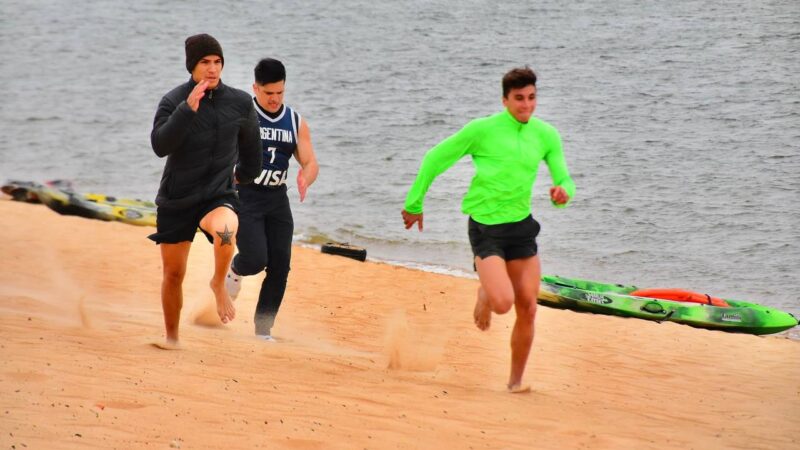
200,46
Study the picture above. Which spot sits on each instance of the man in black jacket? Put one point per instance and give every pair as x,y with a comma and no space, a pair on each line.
203,127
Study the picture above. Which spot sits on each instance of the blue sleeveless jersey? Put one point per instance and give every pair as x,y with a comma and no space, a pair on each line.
279,142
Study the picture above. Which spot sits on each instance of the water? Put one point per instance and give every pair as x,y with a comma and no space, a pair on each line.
680,120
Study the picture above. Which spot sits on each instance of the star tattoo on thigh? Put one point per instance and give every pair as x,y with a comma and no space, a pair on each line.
225,236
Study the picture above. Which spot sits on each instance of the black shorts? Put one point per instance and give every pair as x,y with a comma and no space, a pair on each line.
180,225
514,240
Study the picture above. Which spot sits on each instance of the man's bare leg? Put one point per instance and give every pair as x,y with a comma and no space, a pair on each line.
496,293
525,275
173,258
222,223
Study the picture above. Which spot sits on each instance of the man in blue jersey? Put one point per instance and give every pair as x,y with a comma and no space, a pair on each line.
265,218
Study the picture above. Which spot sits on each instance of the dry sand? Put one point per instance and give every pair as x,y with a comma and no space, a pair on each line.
370,356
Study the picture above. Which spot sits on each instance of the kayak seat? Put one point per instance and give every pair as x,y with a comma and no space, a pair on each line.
680,295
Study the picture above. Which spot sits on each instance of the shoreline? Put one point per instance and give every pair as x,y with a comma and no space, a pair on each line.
81,306
439,269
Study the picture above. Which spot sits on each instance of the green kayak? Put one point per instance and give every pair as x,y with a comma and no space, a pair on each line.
673,305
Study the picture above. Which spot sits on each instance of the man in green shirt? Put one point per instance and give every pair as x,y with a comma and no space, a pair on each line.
506,149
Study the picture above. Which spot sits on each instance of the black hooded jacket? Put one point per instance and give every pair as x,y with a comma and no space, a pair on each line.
202,148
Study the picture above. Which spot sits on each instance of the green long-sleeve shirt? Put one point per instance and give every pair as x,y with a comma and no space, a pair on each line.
506,154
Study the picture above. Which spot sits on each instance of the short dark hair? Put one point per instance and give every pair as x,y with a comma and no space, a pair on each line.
518,78
269,70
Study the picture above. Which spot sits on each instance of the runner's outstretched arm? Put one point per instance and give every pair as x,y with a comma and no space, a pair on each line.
436,161
309,169
563,189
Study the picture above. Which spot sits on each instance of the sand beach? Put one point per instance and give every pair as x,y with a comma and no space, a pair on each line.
369,355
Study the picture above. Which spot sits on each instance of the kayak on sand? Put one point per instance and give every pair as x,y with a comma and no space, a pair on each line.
60,197
673,305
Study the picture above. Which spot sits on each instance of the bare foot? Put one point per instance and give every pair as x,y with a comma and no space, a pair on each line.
225,307
167,345
519,388
482,313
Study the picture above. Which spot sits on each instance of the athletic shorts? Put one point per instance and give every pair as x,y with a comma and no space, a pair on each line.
180,225
514,240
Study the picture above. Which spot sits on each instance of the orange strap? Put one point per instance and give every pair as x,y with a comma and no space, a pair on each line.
679,295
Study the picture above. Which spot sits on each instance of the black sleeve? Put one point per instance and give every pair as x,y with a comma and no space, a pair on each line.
250,152
170,126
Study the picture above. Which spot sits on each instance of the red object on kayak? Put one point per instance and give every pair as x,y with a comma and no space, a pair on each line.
679,295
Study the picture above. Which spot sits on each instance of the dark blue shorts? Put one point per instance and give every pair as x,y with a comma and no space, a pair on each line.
514,240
